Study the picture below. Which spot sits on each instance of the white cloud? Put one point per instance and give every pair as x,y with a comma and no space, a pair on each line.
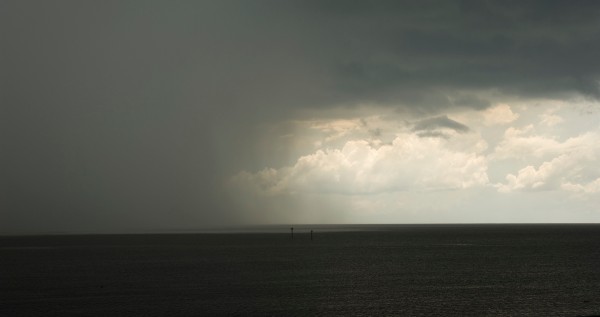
410,162
396,168
498,115
522,144
550,119
546,176
589,188
574,162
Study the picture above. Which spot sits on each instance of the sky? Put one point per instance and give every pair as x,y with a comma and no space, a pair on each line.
148,116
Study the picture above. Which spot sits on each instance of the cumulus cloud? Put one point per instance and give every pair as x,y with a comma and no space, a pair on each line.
410,162
550,118
588,188
546,176
524,144
417,171
499,114
571,167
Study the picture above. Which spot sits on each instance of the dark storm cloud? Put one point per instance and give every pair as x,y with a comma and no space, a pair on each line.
441,122
529,49
128,115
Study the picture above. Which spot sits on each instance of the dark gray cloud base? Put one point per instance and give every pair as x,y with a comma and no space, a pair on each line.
435,126
121,116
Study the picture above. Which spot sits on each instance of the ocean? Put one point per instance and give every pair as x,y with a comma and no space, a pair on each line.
390,270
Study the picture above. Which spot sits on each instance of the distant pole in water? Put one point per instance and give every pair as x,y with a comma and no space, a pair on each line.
292,231
311,235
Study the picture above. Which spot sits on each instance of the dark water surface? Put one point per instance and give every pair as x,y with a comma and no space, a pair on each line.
478,270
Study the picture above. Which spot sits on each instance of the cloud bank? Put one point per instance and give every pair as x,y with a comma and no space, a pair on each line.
409,163
134,116
384,178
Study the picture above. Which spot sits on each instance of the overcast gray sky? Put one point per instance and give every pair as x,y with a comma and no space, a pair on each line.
132,116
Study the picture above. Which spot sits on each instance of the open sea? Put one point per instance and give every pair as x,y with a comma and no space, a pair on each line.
403,270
